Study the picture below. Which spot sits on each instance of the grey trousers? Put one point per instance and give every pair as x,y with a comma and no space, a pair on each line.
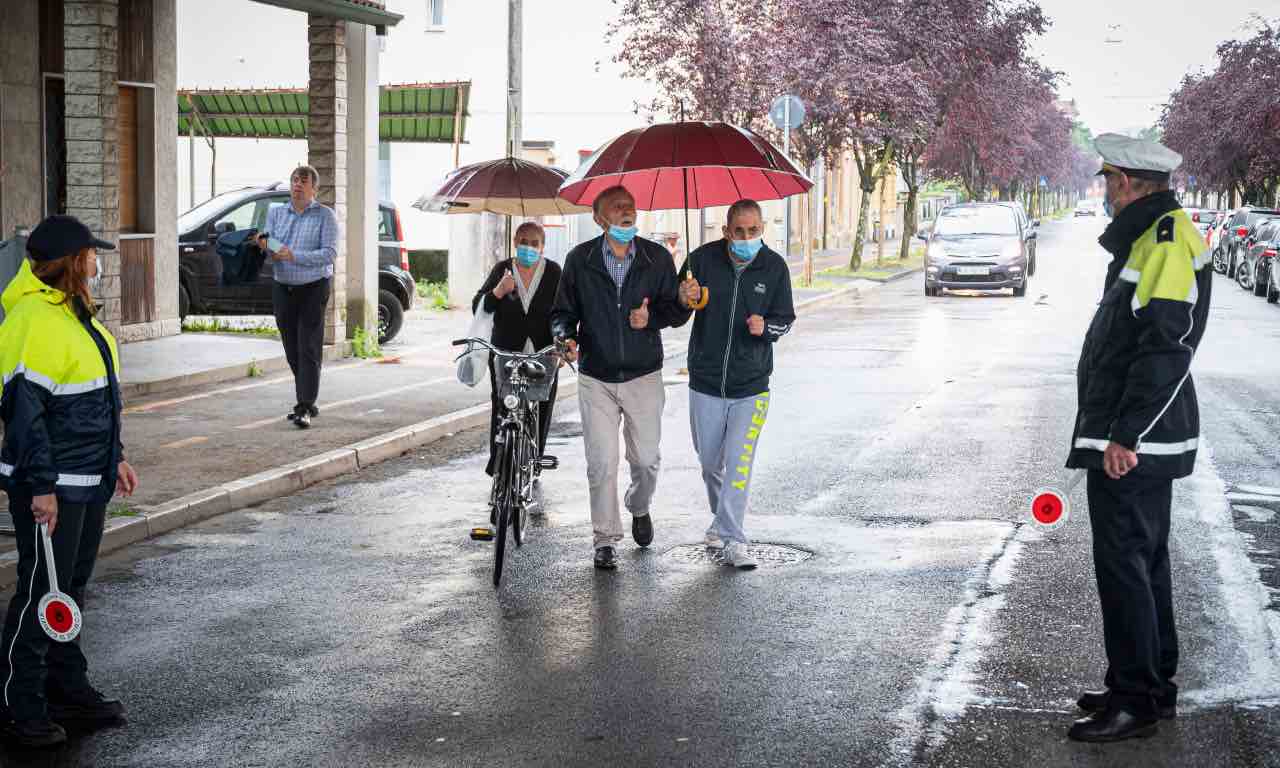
637,405
726,433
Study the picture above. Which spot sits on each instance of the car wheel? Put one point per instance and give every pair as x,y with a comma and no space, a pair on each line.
1242,276
1259,282
1021,290
390,316
1273,293
184,302
1219,265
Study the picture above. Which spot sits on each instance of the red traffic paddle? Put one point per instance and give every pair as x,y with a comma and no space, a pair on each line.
59,614
1051,507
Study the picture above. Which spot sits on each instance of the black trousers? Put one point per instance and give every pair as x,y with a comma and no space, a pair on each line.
1130,522
544,416
300,317
41,667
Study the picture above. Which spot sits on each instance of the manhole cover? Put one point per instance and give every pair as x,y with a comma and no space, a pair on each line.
768,555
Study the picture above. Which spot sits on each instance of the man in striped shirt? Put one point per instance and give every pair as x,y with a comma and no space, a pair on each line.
302,239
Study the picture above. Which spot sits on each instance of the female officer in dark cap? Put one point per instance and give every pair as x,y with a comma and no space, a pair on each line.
60,462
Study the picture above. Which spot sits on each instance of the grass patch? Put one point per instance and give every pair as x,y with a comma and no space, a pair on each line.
435,295
217,325
887,268
364,344
121,510
254,370
818,284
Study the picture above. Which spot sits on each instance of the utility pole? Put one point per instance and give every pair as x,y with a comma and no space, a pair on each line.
515,40
515,34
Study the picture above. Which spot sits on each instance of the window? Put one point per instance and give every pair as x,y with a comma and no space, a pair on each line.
241,217
978,220
435,15
386,225
265,206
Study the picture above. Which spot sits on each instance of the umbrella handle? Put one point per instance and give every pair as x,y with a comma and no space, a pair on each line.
702,302
48,557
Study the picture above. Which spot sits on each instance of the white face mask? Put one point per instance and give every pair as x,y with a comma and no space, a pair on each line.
95,282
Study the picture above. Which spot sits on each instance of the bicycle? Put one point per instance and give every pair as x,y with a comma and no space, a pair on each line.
524,382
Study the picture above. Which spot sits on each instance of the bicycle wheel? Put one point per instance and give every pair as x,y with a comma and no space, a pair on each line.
507,496
523,478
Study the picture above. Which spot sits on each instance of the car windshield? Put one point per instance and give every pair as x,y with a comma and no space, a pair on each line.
194,217
984,220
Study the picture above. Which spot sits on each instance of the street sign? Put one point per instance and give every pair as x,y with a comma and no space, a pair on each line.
1191,180
58,614
1044,182
783,117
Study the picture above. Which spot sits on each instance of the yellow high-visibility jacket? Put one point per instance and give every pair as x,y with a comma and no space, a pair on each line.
1134,376
60,400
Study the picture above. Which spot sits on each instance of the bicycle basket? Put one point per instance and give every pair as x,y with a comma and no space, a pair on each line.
536,390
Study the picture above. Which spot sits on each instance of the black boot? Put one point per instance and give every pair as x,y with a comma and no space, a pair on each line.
1113,724
35,733
1096,701
86,707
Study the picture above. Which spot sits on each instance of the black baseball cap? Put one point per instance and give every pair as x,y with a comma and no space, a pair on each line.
59,236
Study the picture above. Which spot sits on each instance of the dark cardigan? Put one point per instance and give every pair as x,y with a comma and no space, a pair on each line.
511,326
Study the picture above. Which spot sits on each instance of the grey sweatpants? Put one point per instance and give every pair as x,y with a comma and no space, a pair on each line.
638,405
726,433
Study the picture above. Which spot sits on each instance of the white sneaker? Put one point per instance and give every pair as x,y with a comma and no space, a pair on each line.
737,555
713,541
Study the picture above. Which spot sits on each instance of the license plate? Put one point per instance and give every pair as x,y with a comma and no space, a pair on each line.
973,270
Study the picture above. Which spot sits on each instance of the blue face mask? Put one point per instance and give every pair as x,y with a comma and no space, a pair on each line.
527,255
1106,206
622,234
746,250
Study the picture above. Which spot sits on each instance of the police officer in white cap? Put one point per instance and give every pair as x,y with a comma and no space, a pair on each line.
1137,429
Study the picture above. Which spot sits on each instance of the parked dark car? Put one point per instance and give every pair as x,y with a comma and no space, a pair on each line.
979,246
1241,224
204,282
1255,268
1203,218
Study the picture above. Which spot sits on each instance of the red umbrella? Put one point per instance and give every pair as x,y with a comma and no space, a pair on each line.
687,165
508,186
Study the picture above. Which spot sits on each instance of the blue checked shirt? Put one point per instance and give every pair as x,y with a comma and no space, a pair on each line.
618,269
312,236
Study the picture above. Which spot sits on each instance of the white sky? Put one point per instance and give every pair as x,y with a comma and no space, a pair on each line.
1122,86
575,96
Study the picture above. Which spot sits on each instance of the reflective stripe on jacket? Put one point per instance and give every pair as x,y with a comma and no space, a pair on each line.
59,396
1134,376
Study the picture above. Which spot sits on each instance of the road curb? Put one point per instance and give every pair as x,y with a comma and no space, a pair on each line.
290,478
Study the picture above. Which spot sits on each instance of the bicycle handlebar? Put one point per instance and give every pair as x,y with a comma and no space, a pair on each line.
556,348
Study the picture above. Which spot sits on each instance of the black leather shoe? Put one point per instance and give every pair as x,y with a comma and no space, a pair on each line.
302,421
35,733
85,708
1113,725
642,529
313,411
606,559
1096,701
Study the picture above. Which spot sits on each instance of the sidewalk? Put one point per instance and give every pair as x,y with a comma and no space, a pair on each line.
207,449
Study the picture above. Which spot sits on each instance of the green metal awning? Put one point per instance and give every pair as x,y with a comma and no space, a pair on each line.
420,112
361,11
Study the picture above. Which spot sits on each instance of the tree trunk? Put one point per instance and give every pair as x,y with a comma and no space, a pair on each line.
807,272
909,220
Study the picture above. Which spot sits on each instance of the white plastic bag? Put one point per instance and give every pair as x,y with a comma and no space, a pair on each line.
475,363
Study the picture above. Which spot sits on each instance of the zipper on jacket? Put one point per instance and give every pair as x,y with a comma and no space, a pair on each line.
728,348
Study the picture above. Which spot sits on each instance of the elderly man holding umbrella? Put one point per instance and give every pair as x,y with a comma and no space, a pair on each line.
617,291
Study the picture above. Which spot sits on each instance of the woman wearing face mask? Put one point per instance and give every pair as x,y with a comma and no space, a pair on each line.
520,293
730,359
60,463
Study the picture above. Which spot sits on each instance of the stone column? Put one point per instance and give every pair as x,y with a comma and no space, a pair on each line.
93,191
362,178
327,147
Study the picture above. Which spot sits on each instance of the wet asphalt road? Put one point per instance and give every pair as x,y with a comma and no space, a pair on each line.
913,620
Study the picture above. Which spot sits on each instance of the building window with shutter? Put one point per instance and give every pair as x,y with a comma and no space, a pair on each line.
435,15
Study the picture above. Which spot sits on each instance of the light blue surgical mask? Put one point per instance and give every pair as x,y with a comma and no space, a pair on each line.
746,250
527,255
622,234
